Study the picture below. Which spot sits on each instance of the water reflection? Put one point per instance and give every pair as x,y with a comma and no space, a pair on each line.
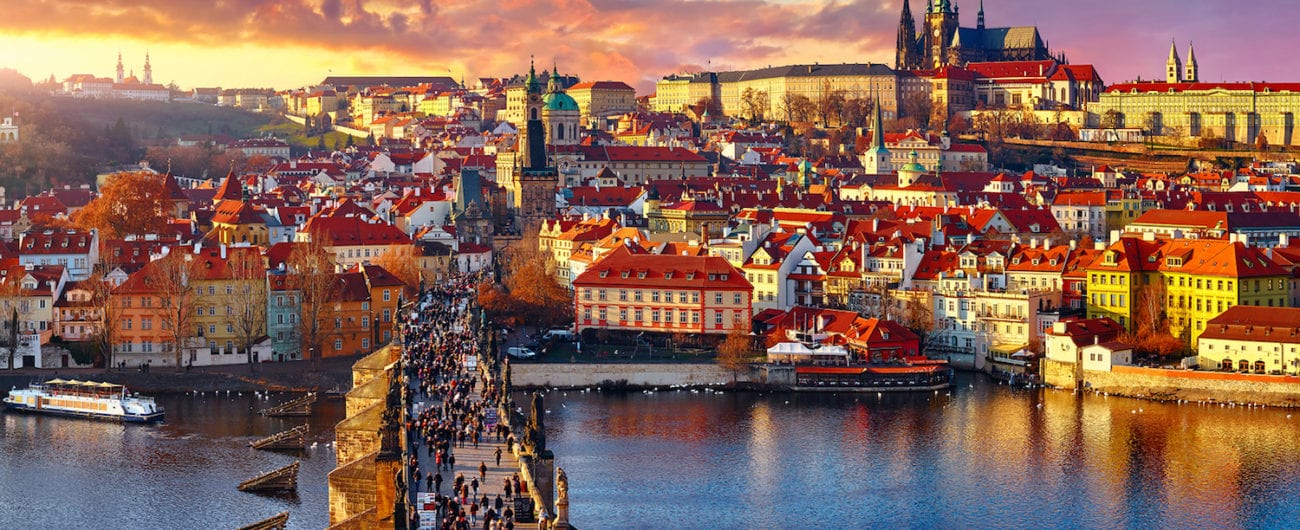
980,456
69,473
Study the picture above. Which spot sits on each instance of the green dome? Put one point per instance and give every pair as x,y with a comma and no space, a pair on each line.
560,101
913,165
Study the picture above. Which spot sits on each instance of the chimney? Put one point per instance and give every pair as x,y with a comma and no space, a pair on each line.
1114,236
223,252
1074,243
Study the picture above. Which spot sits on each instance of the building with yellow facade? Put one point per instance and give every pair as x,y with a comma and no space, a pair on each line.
1188,282
813,81
602,99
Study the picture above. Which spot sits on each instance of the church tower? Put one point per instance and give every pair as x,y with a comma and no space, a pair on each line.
905,56
876,160
940,27
537,181
1193,74
1173,66
121,71
979,23
148,70
560,113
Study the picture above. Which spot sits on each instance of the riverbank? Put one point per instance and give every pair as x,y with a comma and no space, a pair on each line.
326,375
1157,384
625,376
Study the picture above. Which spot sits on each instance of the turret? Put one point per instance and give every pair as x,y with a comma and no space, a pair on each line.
1193,74
1174,65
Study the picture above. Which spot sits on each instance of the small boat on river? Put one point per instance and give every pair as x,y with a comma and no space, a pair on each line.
84,399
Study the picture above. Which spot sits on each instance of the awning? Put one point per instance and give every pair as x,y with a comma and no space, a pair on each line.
798,348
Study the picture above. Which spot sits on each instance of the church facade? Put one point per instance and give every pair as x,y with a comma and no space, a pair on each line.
941,41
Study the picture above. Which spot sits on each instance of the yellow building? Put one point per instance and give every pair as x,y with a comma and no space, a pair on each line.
1235,112
239,222
675,92
1252,339
601,99
1187,281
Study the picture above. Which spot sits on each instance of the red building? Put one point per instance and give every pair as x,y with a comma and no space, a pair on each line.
662,293
870,340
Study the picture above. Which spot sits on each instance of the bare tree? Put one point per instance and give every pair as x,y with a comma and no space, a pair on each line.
737,350
245,299
762,102
171,278
311,271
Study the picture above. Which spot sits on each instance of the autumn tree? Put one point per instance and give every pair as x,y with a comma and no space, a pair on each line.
529,292
1261,142
916,111
762,102
311,271
171,278
245,298
129,203
101,294
737,350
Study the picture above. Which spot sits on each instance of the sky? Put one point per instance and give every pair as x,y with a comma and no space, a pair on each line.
292,43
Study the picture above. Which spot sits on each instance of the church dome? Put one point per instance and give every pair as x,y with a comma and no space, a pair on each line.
913,164
560,101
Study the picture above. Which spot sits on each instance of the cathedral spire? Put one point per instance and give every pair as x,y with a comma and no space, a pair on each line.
148,70
905,50
1174,65
120,68
1193,74
980,23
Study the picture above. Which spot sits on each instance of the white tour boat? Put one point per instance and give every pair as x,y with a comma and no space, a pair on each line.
86,399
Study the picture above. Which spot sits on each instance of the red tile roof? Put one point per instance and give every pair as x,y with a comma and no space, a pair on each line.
663,270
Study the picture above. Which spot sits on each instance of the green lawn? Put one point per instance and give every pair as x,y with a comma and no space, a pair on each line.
157,119
292,133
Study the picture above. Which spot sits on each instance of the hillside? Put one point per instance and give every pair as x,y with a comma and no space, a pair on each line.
154,119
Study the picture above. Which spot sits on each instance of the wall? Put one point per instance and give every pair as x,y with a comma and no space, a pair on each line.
639,374
1191,385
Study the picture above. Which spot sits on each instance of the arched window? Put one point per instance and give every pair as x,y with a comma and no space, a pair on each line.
532,114
559,132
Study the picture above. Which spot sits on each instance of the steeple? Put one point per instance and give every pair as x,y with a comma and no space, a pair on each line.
904,52
531,84
1193,73
876,160
120,68
980,23
1174,65
148,70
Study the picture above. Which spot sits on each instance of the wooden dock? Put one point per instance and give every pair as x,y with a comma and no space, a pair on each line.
300,406
283,479
275,522
292,439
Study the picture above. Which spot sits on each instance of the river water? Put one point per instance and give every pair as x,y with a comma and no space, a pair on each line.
979,456
182,474
982,456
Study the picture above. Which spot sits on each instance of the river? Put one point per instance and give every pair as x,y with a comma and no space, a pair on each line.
181,474
979,456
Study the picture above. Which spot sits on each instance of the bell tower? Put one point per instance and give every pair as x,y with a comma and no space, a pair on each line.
537,181
1174,65
1193,74
940,26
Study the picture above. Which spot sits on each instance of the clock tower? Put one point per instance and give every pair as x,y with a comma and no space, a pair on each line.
941,22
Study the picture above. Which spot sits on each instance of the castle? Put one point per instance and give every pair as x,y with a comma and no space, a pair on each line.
943,42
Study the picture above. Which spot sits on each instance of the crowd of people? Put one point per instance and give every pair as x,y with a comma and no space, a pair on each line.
446,413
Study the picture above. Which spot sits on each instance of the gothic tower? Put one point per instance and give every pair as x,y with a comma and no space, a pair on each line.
537,180
979,24
121,71
1173,66
148,70
940,26
1193,74
905,56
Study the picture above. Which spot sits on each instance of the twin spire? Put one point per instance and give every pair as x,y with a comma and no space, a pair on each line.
1174,68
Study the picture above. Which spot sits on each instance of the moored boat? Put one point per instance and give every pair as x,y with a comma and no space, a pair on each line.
86,399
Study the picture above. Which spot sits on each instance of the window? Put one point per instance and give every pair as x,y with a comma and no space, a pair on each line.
126,323
388,315
654,296
230,328
212,329
735,298
586,294
586,313
681,317
717,298
622,315
637,315
654,315
365,322
637,295
603,314
600,295
338,323
681,297
338,344
365,343
387,295
695,297
717,318
622,295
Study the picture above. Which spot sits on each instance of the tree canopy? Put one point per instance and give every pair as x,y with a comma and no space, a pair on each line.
133,202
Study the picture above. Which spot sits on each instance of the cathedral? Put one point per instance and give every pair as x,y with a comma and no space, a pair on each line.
942,41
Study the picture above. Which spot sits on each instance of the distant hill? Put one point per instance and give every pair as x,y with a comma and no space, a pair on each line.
150,120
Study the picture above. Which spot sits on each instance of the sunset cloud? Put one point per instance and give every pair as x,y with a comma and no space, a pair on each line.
632,40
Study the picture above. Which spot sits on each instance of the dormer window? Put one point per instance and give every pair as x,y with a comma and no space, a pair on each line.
641,275
668,275
1052,262
1109,258
1172,261
604,274
625,274
723,277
